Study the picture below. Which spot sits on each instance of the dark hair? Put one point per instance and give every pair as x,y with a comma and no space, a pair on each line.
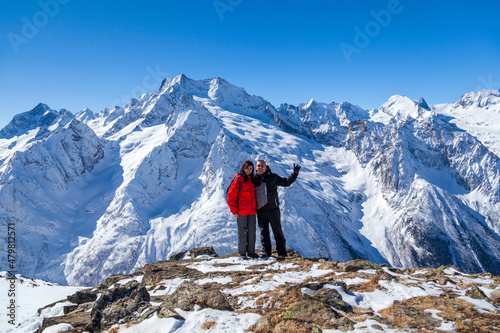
245,165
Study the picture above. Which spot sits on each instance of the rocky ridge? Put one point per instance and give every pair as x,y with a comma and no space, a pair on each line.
296,294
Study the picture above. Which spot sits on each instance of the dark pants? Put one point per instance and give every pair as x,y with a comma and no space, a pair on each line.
246,235
271,217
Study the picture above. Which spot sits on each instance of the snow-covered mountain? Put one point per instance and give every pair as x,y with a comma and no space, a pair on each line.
95,194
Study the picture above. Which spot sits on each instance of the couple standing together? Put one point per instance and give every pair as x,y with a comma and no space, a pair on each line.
251,194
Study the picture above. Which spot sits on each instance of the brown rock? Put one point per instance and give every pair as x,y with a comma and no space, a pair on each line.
69,308
207,250
351,268
194,253
132,288
189,293
213,299
184,297
363,264
83,296
165,270
495,296
475,292
79,320
331,297
117,277
310,310
169,313
125,309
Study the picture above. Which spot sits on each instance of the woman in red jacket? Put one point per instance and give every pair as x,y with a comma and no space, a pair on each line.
241,201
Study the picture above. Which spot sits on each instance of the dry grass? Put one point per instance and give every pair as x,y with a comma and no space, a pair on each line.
403,316
463,313
303,265
208,325
288,326
465,286
365,287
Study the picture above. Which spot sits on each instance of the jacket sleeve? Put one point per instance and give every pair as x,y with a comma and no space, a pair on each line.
287,181
256,180
232,195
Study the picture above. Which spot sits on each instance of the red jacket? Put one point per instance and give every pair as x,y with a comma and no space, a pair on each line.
242,201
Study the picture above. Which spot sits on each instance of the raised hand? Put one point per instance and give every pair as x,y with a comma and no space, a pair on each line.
296,169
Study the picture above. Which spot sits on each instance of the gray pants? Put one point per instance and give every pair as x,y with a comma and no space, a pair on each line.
246,235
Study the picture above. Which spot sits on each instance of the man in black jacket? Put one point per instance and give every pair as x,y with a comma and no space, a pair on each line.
269,214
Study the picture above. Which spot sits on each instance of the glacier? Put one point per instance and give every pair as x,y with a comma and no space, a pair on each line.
94,194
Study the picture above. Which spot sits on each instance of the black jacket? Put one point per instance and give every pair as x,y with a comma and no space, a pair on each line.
272,182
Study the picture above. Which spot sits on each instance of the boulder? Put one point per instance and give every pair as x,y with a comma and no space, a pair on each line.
165,270
189,293
117,277
475,292
194,253
495,296
83,296
78,319
332,298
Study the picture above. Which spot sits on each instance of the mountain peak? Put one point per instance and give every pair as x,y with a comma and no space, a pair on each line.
310,104
85,114
423,104
481,98
40,115
179,80
399,106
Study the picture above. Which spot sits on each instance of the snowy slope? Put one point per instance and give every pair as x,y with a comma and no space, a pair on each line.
31,295
478,113
102,193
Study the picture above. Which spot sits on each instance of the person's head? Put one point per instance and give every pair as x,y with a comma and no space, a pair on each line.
247,168
261,167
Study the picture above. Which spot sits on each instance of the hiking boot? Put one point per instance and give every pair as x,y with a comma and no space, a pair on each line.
264,255
253,256
244,257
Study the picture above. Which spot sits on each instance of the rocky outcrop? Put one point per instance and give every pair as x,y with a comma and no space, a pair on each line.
296,294
189,294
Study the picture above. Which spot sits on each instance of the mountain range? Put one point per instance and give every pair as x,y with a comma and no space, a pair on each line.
94,194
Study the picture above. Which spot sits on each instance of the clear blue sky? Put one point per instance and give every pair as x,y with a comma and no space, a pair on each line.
97,54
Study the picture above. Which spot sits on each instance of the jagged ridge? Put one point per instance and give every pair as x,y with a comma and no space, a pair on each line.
136,184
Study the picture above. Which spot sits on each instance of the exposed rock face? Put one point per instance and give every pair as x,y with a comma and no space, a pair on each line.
189,294
165,270
495,296
323,295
